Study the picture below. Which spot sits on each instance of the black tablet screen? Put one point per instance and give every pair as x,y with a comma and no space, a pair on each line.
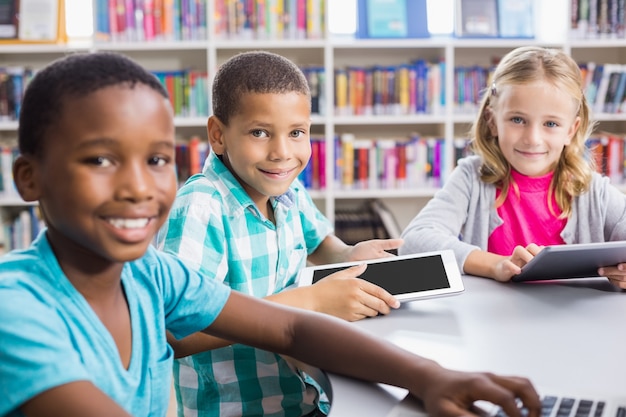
402,276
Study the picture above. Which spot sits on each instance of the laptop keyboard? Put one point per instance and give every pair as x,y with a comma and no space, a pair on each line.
553,406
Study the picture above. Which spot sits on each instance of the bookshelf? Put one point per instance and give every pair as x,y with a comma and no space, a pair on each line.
448,123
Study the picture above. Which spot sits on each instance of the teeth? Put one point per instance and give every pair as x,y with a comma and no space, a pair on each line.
129,223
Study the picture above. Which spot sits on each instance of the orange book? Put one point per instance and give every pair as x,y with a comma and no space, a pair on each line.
194,155
167,20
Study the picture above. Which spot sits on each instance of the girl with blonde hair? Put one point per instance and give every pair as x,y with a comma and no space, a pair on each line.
530,182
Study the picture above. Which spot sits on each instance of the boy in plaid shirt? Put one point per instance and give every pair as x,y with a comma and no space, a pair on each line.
248,218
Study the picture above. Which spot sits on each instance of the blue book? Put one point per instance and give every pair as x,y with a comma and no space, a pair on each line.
392,19
516,19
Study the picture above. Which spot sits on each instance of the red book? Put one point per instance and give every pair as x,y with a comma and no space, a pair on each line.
315,164
195,166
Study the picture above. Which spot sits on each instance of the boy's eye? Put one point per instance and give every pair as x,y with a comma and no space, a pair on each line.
158,161
100,161
258,133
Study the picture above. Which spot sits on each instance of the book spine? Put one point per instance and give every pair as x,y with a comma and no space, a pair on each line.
322,163
347,150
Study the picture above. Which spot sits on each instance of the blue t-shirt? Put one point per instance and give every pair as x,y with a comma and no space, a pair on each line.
49,335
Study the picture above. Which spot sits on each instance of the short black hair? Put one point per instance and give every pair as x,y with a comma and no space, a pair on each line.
254,72
75,75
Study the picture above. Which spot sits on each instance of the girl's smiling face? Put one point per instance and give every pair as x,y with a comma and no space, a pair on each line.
533,123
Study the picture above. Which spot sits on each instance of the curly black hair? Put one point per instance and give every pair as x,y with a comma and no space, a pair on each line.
254,72
75,75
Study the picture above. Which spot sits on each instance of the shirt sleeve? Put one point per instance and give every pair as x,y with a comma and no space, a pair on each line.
440,223
192,302
615,206
315,226
36,352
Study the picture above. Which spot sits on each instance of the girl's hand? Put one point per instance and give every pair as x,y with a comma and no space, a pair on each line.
512,265
344,295
616,274
373,249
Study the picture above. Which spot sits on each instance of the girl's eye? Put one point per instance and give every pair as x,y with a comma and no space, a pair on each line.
298,134
258,133
551,124
517,120
158,161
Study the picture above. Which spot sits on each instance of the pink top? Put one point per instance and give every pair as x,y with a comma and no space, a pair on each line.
527,217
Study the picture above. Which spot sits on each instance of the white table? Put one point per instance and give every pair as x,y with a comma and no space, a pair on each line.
566,336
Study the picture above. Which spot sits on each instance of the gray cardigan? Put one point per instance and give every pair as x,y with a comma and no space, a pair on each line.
462,215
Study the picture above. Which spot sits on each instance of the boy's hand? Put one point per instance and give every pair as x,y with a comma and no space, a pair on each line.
373,249
616,274
344,295
453,393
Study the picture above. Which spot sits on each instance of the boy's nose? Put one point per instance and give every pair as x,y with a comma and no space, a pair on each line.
280,148
135,183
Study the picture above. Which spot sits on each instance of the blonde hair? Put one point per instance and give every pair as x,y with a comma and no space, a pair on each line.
523,65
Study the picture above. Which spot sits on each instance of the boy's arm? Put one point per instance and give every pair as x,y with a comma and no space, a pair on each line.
354,353
195,343
334,250
75,399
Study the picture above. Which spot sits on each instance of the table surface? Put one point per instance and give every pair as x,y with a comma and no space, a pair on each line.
567,336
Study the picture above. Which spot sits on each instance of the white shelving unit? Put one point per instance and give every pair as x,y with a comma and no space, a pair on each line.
332,53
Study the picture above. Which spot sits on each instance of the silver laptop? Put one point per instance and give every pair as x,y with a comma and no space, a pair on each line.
553,406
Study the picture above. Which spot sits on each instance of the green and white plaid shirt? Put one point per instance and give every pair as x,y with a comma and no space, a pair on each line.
215,227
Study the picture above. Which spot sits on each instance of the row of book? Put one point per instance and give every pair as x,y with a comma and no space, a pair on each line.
609,155
190,157
597,19
187,90
19,230
413,88
150,20
605,86
269,19
389,163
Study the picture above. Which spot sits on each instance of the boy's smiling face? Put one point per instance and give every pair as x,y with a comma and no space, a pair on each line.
106,180
266,145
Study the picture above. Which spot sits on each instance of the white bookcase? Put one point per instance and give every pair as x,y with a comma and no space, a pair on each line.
330,53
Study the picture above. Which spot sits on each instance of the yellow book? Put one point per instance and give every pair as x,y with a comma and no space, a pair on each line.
347,148
341,92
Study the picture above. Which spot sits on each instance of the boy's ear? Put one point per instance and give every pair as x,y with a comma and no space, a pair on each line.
25,178
215,132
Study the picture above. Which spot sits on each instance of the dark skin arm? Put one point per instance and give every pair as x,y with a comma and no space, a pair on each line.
75,399
348,351
340,294
351,352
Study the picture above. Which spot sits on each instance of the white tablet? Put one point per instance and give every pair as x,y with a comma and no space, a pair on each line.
407,277
580,260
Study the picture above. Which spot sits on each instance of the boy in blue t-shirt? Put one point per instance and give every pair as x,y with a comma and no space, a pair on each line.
84,310
247,221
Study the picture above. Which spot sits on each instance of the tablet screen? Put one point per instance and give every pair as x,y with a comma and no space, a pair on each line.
402,275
